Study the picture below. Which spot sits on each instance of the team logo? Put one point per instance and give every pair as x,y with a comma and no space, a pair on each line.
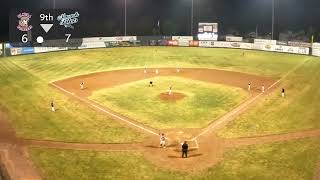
68,20
24,19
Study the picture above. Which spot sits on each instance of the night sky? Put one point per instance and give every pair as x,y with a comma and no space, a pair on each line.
106,17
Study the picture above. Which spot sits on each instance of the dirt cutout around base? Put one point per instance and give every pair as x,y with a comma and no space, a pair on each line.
173,97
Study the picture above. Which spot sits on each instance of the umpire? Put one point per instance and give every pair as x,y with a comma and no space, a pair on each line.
185,148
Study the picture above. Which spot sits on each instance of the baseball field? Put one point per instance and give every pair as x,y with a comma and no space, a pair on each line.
110,128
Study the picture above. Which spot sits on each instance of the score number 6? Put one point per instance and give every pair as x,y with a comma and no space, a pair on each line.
24,38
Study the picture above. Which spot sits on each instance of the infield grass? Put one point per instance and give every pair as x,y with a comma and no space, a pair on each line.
203,102
288,160
26,99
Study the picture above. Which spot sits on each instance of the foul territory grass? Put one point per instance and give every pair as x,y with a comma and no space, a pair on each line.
299,110
26,99
202,104
290,161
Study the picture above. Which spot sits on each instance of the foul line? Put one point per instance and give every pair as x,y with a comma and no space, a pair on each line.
246,104
103,110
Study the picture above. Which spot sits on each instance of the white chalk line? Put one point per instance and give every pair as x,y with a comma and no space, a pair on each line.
246,104
104,110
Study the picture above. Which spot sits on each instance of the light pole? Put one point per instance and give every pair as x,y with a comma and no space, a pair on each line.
125,17
272,33
54,4
191,28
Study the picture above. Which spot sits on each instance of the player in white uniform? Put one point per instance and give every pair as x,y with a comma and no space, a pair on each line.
170,90
52,107
262,88
249,86
82,85
163,141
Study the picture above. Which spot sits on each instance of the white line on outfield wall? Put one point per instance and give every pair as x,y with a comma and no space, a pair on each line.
103,110
246,104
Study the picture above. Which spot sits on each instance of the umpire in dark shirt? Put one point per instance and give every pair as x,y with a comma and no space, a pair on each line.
185,148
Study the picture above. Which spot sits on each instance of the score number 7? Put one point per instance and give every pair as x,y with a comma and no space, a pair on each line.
68,37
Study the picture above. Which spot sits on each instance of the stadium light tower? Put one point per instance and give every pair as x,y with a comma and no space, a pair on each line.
125,17
54,4
191,29
272,33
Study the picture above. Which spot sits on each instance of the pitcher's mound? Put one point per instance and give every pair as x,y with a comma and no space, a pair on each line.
175,96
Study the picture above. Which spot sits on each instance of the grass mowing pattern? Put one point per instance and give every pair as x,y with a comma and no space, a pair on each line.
27,98
298,110
59,65
204,102
290,161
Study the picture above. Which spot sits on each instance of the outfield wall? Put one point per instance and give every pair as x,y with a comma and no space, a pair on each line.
182,41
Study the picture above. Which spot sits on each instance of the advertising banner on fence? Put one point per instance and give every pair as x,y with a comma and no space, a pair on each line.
90,45
182,38
316,49
234,39
49,49
1,51
299,44
265,42
173,43
206,43
194,43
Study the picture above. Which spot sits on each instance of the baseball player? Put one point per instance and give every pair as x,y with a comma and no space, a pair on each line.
52,107
151,84
283,92
249,86
178,70
145,70
170,90
162,141
262,88
82,85
157,71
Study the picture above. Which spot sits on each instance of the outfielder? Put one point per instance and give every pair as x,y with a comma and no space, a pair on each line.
283,92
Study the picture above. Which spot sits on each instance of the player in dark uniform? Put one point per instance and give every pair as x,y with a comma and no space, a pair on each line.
185,148
151,84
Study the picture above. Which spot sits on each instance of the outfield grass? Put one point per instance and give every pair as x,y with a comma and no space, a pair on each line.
26,98
204,102
28,109
59,65
298,111
291,161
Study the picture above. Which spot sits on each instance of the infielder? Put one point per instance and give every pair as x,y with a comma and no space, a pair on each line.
249,86
145,70
52,107
162,141
157,71
283,92
82,85
262,88
170,90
